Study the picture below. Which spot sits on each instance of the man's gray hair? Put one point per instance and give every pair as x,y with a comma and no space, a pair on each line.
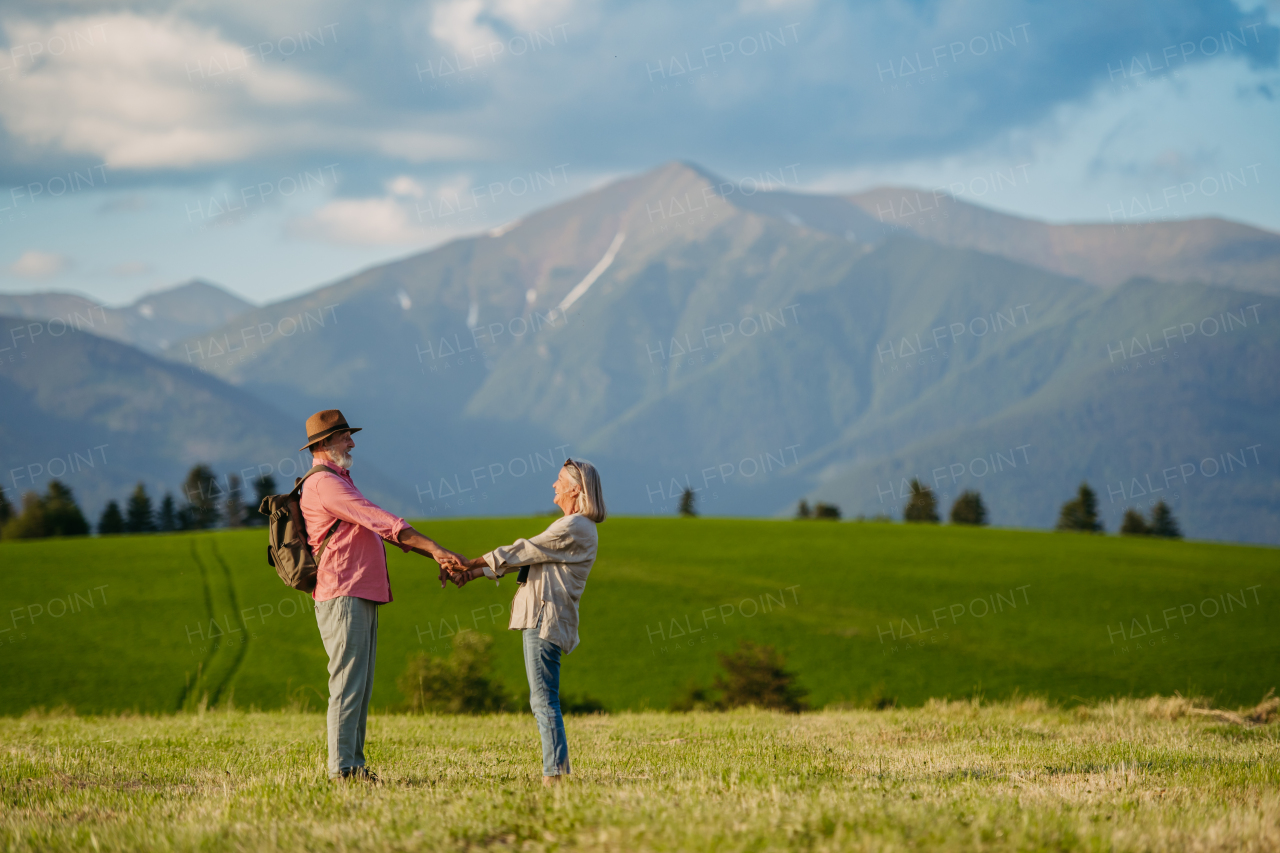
590,493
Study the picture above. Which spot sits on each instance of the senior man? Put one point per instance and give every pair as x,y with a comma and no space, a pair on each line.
351,582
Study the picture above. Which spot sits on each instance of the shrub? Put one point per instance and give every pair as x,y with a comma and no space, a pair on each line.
969,509
462,684
754,676
922,506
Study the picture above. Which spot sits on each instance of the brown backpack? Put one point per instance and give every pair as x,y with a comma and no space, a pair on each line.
287,548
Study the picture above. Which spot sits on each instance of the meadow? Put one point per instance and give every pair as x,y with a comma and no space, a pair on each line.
866,614
1130,775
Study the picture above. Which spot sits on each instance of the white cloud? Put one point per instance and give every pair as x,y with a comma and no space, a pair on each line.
134,95
365,222
462,24
39,265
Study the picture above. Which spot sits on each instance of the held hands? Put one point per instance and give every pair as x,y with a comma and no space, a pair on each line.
464,574
450,563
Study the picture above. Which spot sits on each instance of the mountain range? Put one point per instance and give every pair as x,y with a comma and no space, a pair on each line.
151,323
761,348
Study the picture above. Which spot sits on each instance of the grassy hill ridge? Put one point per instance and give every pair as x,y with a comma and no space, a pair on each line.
862,612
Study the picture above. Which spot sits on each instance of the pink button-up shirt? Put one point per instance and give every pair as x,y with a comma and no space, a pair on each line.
354,562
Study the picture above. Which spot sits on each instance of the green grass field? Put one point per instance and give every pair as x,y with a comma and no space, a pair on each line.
862,612
948,776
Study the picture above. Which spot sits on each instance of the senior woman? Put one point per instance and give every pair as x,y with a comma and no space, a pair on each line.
553,573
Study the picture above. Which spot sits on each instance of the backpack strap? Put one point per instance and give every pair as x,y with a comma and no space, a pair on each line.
332,530
315,470
328,536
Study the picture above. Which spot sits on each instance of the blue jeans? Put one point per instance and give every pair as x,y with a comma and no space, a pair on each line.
542,665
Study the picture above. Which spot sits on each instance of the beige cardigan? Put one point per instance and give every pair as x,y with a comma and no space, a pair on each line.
559,560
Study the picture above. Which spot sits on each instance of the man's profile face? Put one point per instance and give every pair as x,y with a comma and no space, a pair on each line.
338,447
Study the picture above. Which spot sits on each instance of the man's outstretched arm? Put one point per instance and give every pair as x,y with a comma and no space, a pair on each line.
420,544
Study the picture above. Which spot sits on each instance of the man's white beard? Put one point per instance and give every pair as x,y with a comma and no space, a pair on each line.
338,457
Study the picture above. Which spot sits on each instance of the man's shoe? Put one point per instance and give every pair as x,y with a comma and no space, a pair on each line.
360,774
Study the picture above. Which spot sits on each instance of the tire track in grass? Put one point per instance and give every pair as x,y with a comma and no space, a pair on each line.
222,659
244,628
186,700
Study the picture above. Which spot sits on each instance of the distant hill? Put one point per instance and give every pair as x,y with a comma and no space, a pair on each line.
761,347
1208,251
101,415
151,323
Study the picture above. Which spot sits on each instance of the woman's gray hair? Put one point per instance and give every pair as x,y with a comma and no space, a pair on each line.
590,493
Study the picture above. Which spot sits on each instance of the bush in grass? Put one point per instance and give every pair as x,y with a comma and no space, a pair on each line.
462,684
754,676
6,510
969,509
922,506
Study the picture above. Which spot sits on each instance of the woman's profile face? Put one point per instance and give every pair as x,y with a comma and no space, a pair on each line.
566,490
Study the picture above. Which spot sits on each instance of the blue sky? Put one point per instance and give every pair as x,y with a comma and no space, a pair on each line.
273,147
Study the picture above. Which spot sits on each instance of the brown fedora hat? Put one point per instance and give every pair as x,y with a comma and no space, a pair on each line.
321,425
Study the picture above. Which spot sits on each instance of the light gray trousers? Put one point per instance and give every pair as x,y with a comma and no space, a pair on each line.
349,629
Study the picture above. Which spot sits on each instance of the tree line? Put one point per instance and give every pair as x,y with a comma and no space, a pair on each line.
206,503
1079,514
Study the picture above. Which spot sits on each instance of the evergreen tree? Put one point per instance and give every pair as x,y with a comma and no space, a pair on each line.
922,505
830,511
687,509
201,510
61,514
802,511
1163,523
263,487
139,517
6,510
969,509
1081,512
168,519
30,523
234,506
112,520
1134,524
